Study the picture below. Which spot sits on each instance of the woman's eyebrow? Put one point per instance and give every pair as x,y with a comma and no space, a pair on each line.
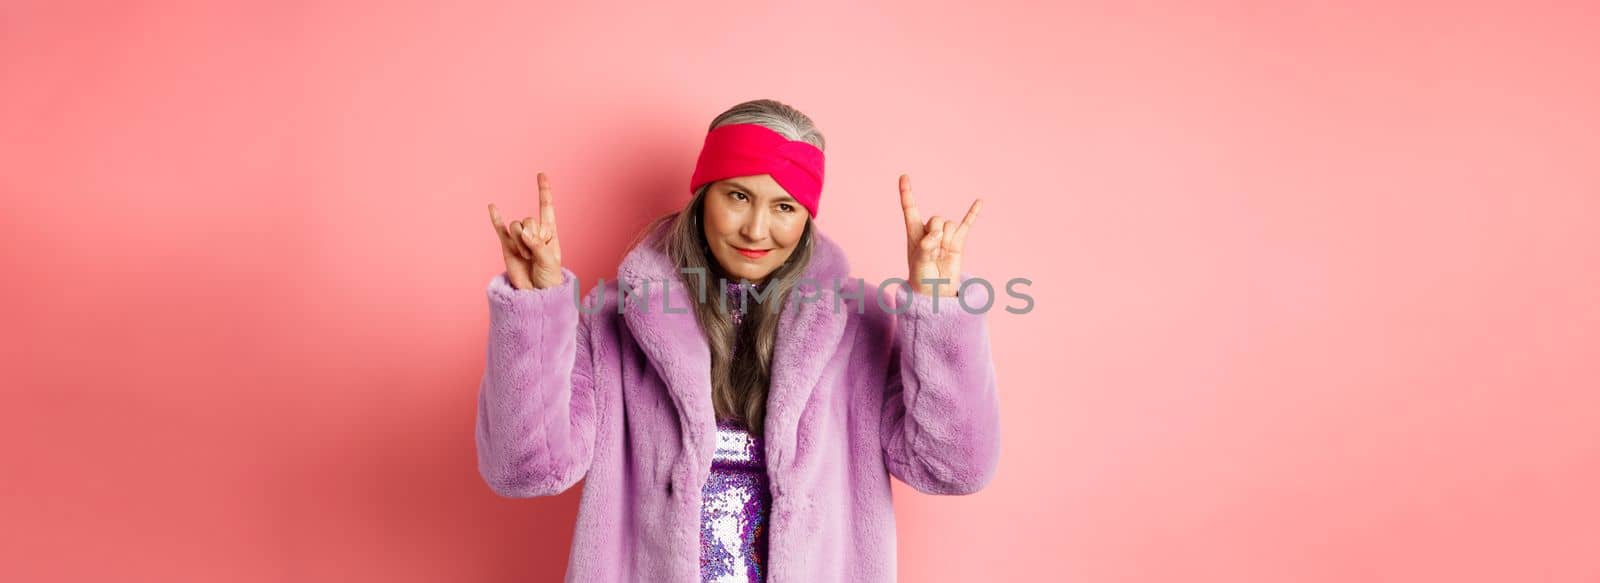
748,190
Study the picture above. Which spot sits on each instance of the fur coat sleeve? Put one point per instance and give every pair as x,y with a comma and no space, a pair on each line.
536,401
940,423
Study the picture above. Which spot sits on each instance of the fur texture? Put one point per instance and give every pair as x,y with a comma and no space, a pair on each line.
622,401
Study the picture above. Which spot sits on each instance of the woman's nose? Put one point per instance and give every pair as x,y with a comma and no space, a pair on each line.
755,226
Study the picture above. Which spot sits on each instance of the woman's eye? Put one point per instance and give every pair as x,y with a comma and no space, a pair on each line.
737,194
787,207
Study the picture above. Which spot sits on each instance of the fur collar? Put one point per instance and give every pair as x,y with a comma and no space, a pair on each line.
808,335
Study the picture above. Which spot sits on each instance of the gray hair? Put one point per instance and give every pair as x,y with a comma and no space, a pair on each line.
775,116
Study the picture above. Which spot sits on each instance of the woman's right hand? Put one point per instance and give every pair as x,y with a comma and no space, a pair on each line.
532,251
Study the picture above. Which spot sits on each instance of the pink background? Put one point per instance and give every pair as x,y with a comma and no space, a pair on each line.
1315,285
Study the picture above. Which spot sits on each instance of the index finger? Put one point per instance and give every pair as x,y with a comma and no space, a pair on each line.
909,207
547,202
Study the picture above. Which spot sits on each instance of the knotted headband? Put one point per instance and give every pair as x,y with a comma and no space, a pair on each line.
747,149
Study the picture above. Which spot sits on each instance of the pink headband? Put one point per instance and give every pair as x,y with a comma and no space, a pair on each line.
749,149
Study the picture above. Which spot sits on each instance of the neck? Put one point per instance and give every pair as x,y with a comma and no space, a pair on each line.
718,273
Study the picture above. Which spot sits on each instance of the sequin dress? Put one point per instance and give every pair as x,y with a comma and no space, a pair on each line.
734,514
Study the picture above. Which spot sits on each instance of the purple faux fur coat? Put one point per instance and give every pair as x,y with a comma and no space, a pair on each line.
623,402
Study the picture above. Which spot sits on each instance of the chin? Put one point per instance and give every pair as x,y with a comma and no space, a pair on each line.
746,273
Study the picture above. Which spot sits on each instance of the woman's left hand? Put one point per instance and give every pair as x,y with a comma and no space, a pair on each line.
933,249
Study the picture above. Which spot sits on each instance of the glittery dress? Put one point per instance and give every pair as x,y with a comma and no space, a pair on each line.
733,516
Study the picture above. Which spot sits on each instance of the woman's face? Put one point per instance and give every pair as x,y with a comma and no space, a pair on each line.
752,213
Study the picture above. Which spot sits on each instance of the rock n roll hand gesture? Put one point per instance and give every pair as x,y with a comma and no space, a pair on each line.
531,249
933,249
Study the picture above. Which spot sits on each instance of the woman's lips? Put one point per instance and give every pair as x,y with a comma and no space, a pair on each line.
752,253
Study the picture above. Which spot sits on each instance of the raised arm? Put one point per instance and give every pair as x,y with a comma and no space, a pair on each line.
536,401
941,412
941,415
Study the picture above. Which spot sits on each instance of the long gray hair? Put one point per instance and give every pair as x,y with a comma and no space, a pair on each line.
739,380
